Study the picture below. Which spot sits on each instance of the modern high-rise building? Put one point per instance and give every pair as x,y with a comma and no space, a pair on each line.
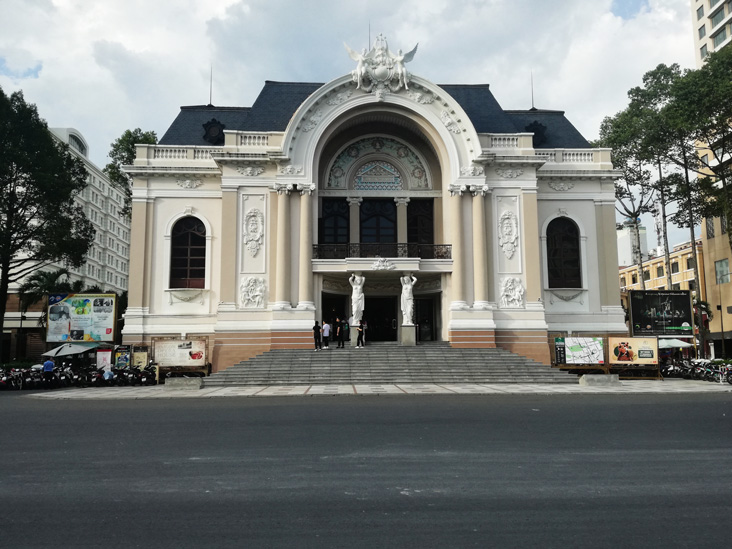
712,28
107,263
712,22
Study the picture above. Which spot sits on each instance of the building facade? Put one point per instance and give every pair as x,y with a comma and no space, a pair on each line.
712,24
321,200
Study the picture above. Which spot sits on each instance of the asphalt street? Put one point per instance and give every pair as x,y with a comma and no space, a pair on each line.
384,471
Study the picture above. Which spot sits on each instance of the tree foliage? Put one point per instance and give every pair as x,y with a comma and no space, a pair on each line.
40,223
122,153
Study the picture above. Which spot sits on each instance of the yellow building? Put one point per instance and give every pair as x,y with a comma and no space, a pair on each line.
654,272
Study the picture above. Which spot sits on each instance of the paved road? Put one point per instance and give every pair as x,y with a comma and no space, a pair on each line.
386,471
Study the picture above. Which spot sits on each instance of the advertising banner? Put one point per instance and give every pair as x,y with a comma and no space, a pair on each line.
661,312
81,317
104,359
175,352
579,350
122,356
139,356
633,350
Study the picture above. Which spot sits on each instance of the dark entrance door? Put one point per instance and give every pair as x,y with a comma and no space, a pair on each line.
334,306
424,313
380,315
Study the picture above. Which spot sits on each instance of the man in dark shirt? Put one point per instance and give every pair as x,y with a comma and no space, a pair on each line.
340,332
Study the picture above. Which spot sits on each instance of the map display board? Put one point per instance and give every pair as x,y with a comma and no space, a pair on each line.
81,317
633,350
579,350
175,352
661,312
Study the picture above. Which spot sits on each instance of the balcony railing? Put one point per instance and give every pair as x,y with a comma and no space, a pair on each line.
343,251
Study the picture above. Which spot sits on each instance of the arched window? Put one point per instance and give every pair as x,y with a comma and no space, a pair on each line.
564,263
188,254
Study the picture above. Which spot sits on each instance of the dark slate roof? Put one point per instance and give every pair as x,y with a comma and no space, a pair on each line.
479,104
187,128
278,101
559,132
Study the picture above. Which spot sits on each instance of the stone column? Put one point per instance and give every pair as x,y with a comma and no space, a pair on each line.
455,236
480,263
607,244
401,219
140,228
354,219
305,280
530,226
229,241
282,278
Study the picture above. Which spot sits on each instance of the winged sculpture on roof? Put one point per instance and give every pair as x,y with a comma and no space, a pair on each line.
379,69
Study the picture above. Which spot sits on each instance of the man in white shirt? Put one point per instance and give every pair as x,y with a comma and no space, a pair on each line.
326,334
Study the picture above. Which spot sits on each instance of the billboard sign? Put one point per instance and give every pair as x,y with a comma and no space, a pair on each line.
661,312
81,317
633,350
174,352
579,350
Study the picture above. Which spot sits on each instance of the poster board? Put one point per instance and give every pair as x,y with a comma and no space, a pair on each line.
579,350
139,356
633,350
122,356
661,312
104,359
81,317
176,352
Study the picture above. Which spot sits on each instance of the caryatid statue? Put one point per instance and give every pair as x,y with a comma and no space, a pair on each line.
357,298
408,282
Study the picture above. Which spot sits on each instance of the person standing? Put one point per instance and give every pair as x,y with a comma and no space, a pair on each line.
316,336
48,372
359,338
340,332
326,334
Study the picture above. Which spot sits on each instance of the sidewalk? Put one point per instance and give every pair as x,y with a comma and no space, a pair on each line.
670,386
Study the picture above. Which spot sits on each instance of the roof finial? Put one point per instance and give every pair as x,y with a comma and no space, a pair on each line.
210,87
532,89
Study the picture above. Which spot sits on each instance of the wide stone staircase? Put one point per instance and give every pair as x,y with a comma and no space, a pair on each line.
387,364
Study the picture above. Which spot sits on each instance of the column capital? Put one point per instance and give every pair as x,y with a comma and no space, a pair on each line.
283,188
457,189
354,201
401,200
306,188
480,190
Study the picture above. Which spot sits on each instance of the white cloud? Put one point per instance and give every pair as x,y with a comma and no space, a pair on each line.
110,65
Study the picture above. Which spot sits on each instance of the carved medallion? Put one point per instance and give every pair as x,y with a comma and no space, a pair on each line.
382,264
449,123
471,171
561,185
189,183
250,171
252,291
253,231
508,233
512,293
509,173
290,169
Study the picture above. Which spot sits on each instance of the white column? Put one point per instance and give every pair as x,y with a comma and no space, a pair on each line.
354,217
480,263
282,278
455,236
402,219
305,280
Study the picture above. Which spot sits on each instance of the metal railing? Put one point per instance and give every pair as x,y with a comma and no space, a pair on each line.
396,250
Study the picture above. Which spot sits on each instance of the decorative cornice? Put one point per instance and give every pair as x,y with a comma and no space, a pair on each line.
457,189
313,120
472,171
290,169
507,173
340,97
283,188
250,171
382,264
189,183
481,190
306,188
422,98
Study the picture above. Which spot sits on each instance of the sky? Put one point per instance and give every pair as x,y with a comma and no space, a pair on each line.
105,66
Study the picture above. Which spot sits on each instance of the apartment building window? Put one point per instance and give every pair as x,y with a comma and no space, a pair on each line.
674,267
676,286
720,37
692,285
659,271
723,223
713,3
721,270
702,31
634,278
646,275
689,263
703,51
622,282
717,18
699,12
709,222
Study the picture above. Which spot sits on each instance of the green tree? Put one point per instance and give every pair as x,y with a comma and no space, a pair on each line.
634,194
122,153
40,223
